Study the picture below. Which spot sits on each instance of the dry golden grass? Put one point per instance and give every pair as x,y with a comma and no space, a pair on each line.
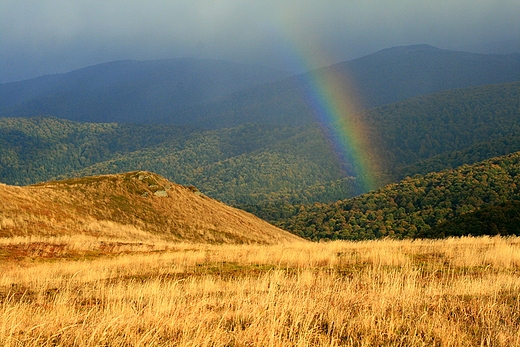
455,292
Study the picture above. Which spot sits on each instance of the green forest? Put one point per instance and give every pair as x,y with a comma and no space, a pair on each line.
502,219
263,164
419,206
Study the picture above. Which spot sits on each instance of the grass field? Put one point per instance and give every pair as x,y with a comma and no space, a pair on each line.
80,291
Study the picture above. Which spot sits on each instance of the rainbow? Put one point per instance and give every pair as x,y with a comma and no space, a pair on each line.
333,101
338,113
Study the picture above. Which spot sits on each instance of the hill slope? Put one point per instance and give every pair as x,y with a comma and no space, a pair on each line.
424,127
130,91
135,204
233,165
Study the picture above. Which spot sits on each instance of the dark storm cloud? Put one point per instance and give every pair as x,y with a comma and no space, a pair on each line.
50,36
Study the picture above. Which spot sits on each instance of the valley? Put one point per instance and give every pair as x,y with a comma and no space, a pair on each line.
259,173
373,202
274,171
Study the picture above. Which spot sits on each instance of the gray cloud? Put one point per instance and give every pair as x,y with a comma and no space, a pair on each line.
50,36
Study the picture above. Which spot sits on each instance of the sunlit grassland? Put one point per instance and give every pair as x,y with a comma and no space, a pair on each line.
73,291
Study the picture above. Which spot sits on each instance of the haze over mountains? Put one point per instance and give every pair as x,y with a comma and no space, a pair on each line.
249,136
222,94
384,77
130,91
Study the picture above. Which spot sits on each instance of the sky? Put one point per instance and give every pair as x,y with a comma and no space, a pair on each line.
40,37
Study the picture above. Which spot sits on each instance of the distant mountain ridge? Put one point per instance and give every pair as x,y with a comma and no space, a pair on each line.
219,94
408,71
130,91
388,76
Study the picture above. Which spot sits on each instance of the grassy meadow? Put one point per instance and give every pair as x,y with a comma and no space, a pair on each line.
81,291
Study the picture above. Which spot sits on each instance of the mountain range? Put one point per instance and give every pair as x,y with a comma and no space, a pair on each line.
255,164
130,91
388,76
218,94
255,143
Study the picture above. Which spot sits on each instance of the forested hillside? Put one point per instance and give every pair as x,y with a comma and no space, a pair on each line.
230,164
265,167
240,165
502,219
450,128
37,149
421,206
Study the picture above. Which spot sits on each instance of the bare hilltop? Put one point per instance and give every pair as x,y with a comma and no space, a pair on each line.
135,205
